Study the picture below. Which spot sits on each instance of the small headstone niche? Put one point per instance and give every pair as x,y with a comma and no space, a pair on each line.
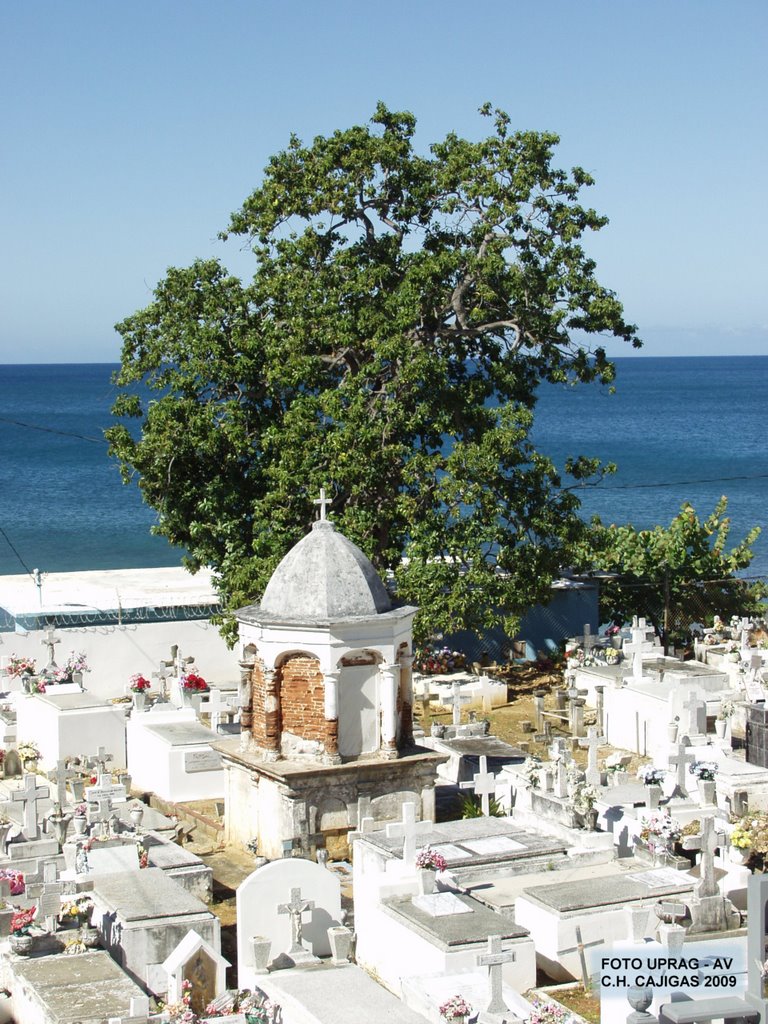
757,735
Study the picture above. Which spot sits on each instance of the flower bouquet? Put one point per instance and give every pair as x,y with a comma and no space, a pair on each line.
28,751
705,771
16,880
193,683
74,663
549,1013
22,920
20,666
139,684
727,710
650,775
531,769
455,1009
441,662
429,858
659,832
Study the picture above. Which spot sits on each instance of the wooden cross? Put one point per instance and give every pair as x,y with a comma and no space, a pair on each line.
706,843
295,908
323,502
592,742
484,785
681,760
61,774
50,640
29,794
47,895
407,830
579,948
493,960
456,699
215,706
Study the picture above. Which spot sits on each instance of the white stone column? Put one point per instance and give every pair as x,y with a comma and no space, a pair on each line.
390,684
331,701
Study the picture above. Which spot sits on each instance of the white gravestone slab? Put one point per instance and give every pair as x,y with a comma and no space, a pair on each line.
270,886
441,904
493,844
663,878
112,859
451,852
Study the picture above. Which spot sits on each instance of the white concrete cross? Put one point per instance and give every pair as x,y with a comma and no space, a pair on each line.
494,959
484,784
693,707
295,908
47,895
50,640
456,698
323,502
422,697
408,830
61,774
707,843
681,760
161,676
100,758
579,948
485,691
592,742
215,706
636,649
29,794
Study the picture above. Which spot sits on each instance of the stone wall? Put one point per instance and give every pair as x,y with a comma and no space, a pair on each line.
302,698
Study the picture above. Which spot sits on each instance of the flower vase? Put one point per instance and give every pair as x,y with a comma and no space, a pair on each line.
425,878
4,830
260,948
22,944
77,677
139,700
707,792
672,732
137,813
721,726
77,789
80,823
591,817
30,765
739,855
89,937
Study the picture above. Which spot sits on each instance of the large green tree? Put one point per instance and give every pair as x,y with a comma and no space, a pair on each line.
403,310
673,575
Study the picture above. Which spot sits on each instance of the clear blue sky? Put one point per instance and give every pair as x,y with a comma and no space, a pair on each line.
130,131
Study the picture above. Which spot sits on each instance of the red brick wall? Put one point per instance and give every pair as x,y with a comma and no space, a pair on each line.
302,698
258,719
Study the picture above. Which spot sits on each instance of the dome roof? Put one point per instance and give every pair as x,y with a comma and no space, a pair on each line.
325,577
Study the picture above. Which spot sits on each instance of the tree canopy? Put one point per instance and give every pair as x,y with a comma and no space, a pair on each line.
675,575
402,312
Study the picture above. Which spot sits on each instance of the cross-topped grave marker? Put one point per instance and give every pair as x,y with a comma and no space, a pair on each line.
681,760
50,640
484,785
47,895
494,959
707,843
215,706
638,646
295,909
423,698
99,759
407,830
61,774
29,795
456,698
592,742
587,641
694,723
579,948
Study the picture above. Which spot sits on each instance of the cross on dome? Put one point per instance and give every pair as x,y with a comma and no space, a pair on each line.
323,502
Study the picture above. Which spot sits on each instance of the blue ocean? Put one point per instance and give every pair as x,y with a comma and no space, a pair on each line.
679,429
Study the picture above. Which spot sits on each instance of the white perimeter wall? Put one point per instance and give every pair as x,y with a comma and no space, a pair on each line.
115,652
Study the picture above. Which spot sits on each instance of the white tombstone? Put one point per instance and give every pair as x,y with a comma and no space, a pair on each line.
170,753
65,725
269,887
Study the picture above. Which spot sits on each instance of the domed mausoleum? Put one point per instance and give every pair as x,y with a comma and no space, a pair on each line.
326,704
